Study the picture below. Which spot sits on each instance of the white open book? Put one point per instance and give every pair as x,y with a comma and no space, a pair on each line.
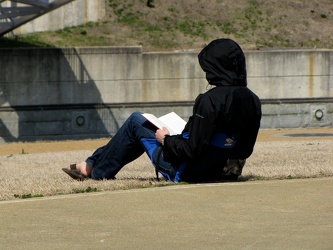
173,122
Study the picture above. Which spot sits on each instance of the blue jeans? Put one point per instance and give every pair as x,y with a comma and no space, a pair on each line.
126,146
123,148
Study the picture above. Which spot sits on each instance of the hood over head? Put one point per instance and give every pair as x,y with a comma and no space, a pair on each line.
224,63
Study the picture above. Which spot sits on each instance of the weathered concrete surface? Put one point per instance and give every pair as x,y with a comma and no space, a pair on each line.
74,93
109,75
284,214
72,14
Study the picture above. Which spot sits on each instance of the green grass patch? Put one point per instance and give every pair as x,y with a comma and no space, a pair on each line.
24,41
185,26
27,196
87,190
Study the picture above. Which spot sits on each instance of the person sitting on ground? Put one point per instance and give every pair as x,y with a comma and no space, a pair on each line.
221,133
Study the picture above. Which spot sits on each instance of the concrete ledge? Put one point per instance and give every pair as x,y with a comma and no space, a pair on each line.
104,85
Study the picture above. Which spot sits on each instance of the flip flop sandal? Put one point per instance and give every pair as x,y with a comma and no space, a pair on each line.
75,174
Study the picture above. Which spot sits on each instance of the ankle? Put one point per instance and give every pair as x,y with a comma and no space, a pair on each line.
88,169
84,168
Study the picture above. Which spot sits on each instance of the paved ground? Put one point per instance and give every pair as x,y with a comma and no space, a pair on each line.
284,214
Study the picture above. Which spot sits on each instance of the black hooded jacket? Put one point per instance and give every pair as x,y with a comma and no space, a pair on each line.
230,107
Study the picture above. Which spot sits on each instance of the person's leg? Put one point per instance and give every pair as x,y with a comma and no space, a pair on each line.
85,167
123,148
93,158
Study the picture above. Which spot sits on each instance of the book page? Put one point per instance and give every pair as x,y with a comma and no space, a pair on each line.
174,123
154,120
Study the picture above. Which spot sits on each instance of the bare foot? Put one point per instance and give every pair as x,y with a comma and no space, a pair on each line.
83,168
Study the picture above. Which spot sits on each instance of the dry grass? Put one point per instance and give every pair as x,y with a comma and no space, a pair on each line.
184,25
38,172
291,159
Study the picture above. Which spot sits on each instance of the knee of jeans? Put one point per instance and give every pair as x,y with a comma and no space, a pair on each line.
137,117
136,114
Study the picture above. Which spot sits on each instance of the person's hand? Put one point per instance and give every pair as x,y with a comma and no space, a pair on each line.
160,134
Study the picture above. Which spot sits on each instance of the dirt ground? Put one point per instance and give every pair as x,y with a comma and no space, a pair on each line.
265,135
35,169
190,24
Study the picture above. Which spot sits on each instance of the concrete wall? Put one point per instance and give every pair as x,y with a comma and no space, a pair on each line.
291,74
89,92
74,13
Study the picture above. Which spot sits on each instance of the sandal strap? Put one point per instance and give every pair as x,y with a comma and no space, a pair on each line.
73,166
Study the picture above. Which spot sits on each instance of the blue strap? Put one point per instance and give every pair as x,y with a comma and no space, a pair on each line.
150,144
222,140
180,171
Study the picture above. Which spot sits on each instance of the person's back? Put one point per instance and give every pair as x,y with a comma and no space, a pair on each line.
226,119
239,115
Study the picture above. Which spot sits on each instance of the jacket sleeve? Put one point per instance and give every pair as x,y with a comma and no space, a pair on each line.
200,128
